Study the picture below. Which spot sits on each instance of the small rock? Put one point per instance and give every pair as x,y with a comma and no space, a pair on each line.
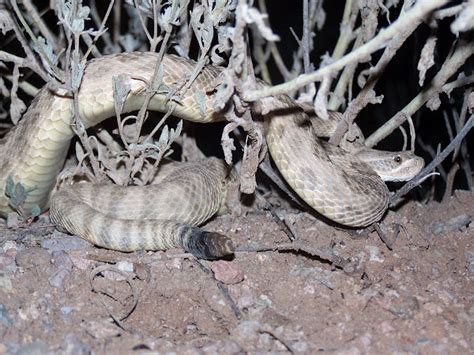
66,310
119,271
246,333
175,263
63,265
35,348
374,253
33,258
4,318
385,327
456,223
78,260
227,272
61,242
470,261
435,271
190,329
7,263
405,307
62,260
72,345
222,347
102,329
142,271
5,282
264,301
13,220
118,274
247,298
433,308
58,277
30,312
10,244
125,266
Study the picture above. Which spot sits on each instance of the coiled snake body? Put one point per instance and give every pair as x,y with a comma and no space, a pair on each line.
333,182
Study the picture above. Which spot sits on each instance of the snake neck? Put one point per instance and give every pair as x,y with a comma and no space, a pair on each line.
337,185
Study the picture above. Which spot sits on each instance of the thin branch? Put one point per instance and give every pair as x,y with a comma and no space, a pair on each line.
434,163
462,52
420,10
38,21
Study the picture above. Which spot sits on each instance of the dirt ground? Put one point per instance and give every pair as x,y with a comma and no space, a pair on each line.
330,291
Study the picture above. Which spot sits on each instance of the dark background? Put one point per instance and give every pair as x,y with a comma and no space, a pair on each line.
399,83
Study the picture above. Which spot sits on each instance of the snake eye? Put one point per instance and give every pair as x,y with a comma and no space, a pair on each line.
397,159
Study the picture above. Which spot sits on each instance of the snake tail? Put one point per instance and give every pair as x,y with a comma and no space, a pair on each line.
206,245
77,217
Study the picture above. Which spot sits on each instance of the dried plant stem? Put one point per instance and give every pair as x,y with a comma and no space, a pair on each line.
448,12
463,81
462,52
25,86
30,60
306,40
434,163
367,95
153,85
337,99
38,21
23,41
97,20
419,11
274,51
99,32
8,57
346,32
449,182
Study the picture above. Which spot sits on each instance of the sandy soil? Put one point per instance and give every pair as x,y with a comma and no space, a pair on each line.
330,291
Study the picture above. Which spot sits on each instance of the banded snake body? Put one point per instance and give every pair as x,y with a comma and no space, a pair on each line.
337,184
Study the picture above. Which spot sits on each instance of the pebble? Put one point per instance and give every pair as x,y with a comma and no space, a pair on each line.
7,263
13,220
35,348
80,261
102,329
72,345
227,272
62,242
66,310
33,258
125,266
470,260
374,253
175,263
405,307
10,244
456,223
63,267
4,317
247,297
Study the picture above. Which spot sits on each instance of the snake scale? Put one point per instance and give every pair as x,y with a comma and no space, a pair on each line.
335,183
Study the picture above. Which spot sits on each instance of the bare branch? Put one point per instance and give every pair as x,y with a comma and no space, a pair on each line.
417,12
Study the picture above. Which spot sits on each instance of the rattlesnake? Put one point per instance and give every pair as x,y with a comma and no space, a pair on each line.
335,183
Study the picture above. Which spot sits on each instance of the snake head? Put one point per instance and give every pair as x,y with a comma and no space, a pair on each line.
393,166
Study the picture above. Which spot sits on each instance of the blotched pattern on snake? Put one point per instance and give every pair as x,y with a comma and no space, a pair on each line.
337,184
